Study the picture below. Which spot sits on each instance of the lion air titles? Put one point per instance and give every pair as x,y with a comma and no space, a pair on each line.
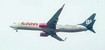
34,24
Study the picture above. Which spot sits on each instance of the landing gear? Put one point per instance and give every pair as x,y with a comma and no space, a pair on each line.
16,29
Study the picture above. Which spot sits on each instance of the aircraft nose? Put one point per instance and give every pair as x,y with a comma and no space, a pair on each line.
11,26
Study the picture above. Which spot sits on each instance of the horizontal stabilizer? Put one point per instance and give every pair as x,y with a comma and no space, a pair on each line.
90,26
92,30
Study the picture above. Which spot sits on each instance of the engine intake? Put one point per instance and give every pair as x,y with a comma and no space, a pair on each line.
43,34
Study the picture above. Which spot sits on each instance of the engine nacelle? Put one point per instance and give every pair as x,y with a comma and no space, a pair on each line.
43,34
43,25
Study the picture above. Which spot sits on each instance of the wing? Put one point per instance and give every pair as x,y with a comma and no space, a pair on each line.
52,33
51,25
58,38
53,21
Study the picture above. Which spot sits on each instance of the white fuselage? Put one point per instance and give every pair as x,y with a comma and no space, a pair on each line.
59,28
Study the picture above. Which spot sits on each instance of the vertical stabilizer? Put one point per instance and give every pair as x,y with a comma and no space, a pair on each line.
88,23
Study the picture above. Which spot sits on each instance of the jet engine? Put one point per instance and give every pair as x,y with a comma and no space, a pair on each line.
43,34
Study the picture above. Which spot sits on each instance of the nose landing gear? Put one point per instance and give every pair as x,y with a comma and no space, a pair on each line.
16,29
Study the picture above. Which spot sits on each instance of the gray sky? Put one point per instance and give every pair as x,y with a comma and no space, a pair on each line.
74,12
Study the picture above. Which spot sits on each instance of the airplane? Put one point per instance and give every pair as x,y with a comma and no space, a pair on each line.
51,27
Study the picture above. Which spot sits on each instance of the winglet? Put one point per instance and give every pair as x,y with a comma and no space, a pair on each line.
65,38
63,6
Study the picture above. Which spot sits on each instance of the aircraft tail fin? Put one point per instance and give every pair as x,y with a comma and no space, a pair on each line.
90,26
88,23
